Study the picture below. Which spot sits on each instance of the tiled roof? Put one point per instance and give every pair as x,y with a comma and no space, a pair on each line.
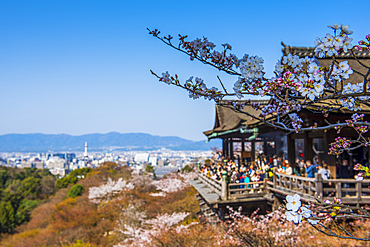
310,52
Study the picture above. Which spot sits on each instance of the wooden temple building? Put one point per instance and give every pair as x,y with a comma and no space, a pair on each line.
244,137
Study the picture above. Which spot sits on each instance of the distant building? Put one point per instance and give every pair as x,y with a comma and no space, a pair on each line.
58,171
160,162
173,162
153,160
26,165
39,164
81,163
85,153
141,157
65,156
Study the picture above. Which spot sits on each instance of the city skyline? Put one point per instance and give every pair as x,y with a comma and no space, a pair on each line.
84,67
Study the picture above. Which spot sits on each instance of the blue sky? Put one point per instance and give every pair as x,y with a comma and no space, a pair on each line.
79,67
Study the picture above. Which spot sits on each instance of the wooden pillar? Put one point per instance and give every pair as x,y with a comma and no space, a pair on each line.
253,151
231,149
308,152
291,149
224,186
278,144
224,147
265,148
243,150
227,147
319,185
329,137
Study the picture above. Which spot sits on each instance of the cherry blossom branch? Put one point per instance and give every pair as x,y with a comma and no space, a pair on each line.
190,51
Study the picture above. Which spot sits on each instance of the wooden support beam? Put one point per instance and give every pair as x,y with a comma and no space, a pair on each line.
243,150
253,154
316,134
297,135
329,137
319,186
291,149
231,149
278,145
308,152
224,147
227,148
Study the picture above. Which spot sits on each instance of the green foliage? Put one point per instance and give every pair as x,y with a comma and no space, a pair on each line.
7,217
21,190
76,190
72,177
149,168
80,243
11,216
187,168
29,186
3,177
24,210
4,218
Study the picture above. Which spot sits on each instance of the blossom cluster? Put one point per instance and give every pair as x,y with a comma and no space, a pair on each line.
279,107
362,44
197,88
173,183
339,145
169,185
187,176
262,230
333,45
296,212
354,119
292,63
142,235
109,189
364,172
251,68
296,121
204,50
312,83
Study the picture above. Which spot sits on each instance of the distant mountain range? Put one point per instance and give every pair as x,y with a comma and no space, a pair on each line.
98,142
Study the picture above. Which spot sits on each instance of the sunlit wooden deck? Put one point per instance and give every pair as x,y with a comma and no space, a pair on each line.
218,194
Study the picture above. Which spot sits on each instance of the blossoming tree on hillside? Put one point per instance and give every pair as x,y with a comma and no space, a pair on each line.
299,83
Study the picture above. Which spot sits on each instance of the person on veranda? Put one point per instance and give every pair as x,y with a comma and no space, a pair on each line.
310,169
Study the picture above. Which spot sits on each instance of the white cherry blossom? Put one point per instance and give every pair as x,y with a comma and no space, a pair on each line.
293,216
294,202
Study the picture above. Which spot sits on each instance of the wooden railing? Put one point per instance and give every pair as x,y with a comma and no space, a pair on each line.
349,191
215,185
289,184
245,190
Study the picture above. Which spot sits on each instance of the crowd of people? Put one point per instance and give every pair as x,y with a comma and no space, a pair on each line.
244,172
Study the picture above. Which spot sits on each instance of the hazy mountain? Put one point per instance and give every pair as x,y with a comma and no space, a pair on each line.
96,142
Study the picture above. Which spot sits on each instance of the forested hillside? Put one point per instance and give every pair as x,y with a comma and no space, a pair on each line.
92,207
115,206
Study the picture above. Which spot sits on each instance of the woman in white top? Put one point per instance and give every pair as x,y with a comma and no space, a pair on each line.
289,170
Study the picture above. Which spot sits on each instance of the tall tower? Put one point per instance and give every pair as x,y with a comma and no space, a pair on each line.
85,154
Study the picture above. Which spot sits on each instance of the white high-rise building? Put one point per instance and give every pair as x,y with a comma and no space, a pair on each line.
153,160
85,154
